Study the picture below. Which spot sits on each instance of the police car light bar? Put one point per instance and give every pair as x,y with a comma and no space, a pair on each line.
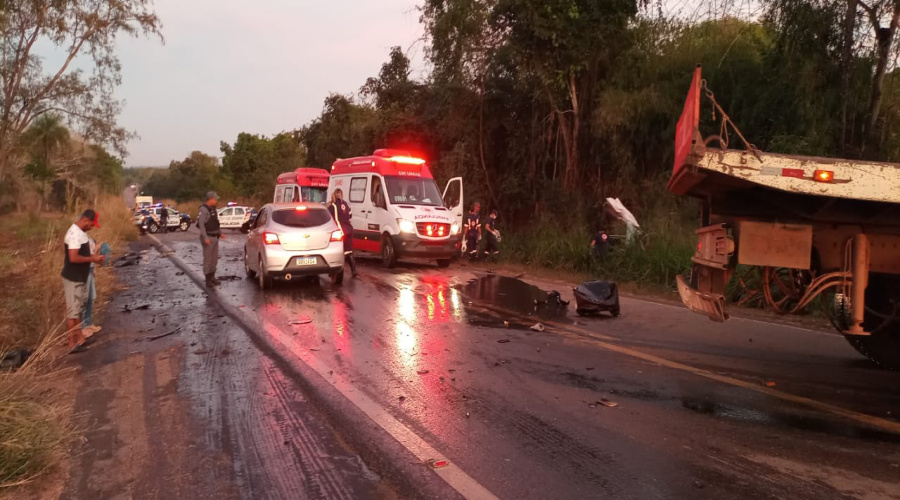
409,160
231,203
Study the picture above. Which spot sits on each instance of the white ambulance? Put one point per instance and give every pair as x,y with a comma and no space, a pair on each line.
302,184
398,211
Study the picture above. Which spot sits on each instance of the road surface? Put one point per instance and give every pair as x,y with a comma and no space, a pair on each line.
658,403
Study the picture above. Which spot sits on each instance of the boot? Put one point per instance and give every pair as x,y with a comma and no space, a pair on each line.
216,280
210,280
352,265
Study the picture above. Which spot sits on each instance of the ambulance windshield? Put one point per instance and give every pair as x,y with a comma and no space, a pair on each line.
412,191
314,194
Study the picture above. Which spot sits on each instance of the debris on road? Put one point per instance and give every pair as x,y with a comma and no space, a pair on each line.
128,309
770,384
538,327
301,321
437,464
422,372
164,334
14,359
503,341
202,351
607,403
506,324
229,277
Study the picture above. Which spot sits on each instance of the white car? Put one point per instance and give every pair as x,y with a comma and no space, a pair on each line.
288,240
234,217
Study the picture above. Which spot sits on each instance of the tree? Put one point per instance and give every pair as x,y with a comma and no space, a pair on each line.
253,162
44,138
82,29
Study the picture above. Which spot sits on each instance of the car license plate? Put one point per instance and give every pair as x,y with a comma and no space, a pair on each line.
306,261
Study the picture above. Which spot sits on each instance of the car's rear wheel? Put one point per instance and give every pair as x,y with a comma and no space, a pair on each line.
388,252
443,262
249,272
153,228
183,226
265,282
337,278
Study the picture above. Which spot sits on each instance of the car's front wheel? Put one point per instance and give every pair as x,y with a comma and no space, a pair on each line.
183,226
388,252
153,228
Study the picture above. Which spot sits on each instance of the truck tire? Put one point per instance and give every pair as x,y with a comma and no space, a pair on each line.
388,252
883,346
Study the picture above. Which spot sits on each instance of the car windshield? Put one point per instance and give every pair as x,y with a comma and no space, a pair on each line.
412,191
314,194
301,218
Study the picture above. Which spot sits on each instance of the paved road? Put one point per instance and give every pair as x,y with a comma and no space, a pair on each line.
744,409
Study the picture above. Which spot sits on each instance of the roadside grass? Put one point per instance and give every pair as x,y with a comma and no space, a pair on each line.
33,426
649,263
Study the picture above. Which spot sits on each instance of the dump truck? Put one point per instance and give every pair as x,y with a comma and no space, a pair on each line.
813,227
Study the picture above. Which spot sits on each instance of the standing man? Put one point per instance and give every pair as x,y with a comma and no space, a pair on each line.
208,222
76,269
473,230
342,214
491,235
164,219
599,244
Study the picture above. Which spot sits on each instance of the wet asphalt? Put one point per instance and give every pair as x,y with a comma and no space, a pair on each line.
450,353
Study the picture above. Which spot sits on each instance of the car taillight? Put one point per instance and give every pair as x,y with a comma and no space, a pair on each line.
337,235
270,239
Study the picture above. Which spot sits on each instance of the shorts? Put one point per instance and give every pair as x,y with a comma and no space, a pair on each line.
76,297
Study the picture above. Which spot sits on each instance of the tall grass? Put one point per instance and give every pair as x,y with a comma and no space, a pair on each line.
659,252
32,424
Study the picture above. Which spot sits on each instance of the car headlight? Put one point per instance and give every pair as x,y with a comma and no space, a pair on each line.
406,226
454,229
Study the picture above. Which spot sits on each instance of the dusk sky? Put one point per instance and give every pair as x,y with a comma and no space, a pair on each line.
231,66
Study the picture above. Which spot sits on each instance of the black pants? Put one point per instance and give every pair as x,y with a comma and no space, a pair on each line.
491,247
163,225
471,243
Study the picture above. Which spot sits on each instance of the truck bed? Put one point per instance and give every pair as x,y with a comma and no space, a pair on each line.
710,172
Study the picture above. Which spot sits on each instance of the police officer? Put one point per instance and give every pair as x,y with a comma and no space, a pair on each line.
342,214
164,219
599,244
210,234
472,226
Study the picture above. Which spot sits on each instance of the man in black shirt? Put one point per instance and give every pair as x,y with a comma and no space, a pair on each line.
164,220
76,269
599,244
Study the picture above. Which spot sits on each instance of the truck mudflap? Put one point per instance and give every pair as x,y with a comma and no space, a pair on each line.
710,304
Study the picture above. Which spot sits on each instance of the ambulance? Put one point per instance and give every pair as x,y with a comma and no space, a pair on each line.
302,185
398,211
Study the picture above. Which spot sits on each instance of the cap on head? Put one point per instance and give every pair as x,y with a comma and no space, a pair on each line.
92,215
211,195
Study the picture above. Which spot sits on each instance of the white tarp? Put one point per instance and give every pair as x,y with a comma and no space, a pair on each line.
619,209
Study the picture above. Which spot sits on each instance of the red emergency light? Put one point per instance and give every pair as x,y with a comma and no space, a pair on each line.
408,160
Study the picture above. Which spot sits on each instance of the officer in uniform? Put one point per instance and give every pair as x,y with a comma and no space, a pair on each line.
473,230
491,235
164,220
210,234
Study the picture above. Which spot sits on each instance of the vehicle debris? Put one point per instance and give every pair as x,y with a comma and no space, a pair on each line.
594,297
128,309
164,334
503,341
422,372
538,327
437,464
15,359
300,321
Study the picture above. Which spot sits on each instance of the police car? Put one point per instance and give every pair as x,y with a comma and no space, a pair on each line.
148,219
234,216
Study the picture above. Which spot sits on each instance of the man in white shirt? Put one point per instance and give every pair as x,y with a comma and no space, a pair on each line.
76,269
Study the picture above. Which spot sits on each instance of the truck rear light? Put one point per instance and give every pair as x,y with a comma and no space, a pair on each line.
823,176
270,239
337,235
792,172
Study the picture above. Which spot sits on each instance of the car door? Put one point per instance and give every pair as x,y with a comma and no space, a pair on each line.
225,216
358,198
254,238
377,210
453,199
174,218
237,219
